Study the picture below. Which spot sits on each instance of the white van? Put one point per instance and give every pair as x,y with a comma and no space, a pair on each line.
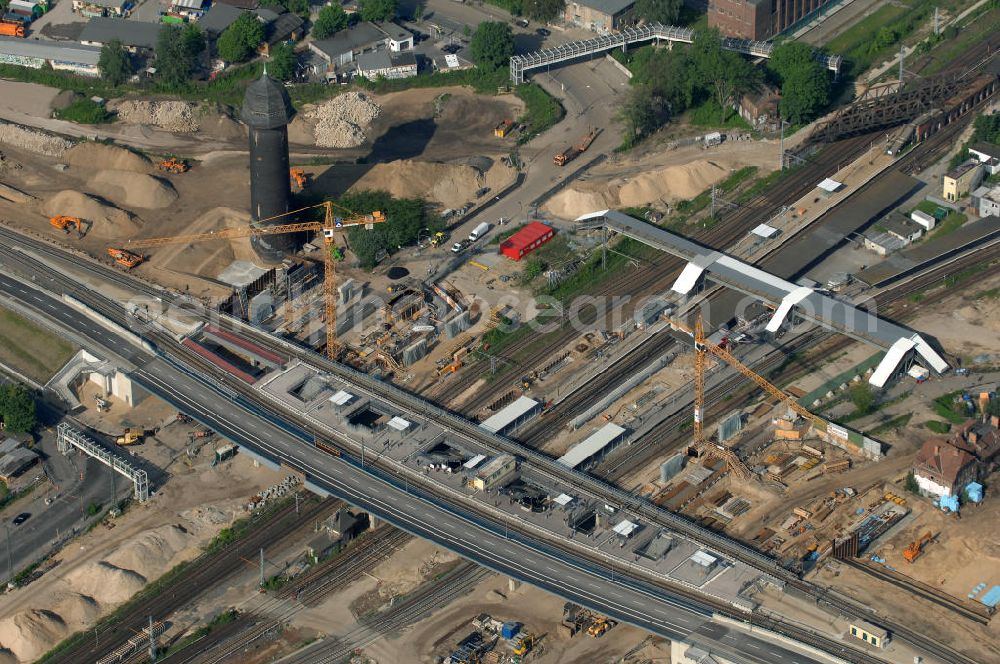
478,231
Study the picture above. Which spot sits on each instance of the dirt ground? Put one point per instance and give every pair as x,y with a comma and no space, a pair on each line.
98,571
659,179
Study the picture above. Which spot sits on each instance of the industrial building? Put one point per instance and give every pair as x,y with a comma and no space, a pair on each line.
377,64
988,155
91,8
986,201
892,234
526,240
600,15
267,110
64,56
760,19
345,47
760,108
16,462
493,473
870,633
960,180
136,36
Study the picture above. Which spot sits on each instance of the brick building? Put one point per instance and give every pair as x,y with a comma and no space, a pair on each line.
600,15
759,19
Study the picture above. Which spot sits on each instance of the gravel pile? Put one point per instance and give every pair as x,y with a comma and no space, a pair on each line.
33,141
176,116
342,121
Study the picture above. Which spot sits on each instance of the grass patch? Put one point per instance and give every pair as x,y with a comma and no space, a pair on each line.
859,42
29,349
218,621
85,111
937,426
948,409
928,207
894,424
711,115
992,294
949,224
541,110
977,28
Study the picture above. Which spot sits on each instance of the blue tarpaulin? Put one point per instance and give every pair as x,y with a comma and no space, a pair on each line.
975,492
949,503
992,598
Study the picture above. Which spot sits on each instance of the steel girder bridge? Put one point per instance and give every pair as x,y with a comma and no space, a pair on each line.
519,64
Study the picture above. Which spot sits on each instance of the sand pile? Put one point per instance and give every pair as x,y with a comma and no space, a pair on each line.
14,195
153,552
451,185
106,221
342,121
105,582
653,187
33,141
130,189
29,634
99,157
176,116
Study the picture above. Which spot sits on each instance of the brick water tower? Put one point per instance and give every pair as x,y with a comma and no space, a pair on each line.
267,110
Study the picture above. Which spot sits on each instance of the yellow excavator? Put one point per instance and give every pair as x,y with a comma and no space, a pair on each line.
173,165
132,436
63,223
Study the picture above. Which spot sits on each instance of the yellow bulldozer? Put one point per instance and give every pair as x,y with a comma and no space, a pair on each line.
125,258
132,437
64,222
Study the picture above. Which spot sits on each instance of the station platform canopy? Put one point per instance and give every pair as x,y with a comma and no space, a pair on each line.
510,415
830,185
592,445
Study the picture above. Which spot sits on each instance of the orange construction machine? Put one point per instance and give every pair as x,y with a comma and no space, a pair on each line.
126,259
173,165
11,29
916,547
62,222
299,178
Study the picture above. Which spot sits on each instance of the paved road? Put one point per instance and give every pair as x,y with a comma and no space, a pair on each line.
574,579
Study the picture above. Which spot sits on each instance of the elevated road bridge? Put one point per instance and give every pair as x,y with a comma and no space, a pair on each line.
654,32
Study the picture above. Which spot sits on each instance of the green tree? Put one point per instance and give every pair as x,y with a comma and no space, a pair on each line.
659,11
115,63
377,10
404,220
543,11
725,73
282,62
177,51
492,45
330,20
863,398
669,74
911,483
641,113
987,129
17,408
805,85
240,40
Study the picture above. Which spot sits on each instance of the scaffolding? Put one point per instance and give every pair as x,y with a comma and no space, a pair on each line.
70,438
626,37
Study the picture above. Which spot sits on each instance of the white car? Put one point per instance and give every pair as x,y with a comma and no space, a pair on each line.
456,248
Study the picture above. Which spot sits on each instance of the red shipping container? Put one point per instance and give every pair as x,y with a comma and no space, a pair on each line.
526,240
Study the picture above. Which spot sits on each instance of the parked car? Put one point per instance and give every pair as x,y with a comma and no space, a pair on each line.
542,32
21,518
451,49
457,248
521,22
482,192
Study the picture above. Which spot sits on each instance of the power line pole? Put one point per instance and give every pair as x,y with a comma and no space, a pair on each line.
152,641
713,201
261,567
900,66
937,22
781,147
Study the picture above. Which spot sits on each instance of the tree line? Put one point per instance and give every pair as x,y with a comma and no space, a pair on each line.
666,83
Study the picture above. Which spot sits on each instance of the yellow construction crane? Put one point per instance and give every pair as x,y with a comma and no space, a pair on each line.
330,224
703,346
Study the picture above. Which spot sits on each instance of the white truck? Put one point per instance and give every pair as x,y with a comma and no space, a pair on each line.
479,231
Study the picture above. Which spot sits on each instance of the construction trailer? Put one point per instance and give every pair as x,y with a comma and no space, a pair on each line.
526,240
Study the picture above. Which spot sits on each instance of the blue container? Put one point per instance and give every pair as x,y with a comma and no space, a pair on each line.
510,630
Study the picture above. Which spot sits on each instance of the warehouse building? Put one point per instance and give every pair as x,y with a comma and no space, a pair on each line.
494,472
600,15
381,64
760,19
64,56
136,36
526,240
16,462
345,47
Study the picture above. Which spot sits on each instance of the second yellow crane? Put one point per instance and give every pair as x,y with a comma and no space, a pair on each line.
329,225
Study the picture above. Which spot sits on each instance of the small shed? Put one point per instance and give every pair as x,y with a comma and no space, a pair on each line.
526,240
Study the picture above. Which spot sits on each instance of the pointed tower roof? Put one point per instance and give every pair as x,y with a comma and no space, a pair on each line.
266,104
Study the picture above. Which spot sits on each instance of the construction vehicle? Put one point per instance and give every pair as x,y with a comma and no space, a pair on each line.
571,153
10,29
439,239
599,627
173,165
916,547
131,437
125,258
299,178
523,644
700,440
328,226
63,222
502,129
